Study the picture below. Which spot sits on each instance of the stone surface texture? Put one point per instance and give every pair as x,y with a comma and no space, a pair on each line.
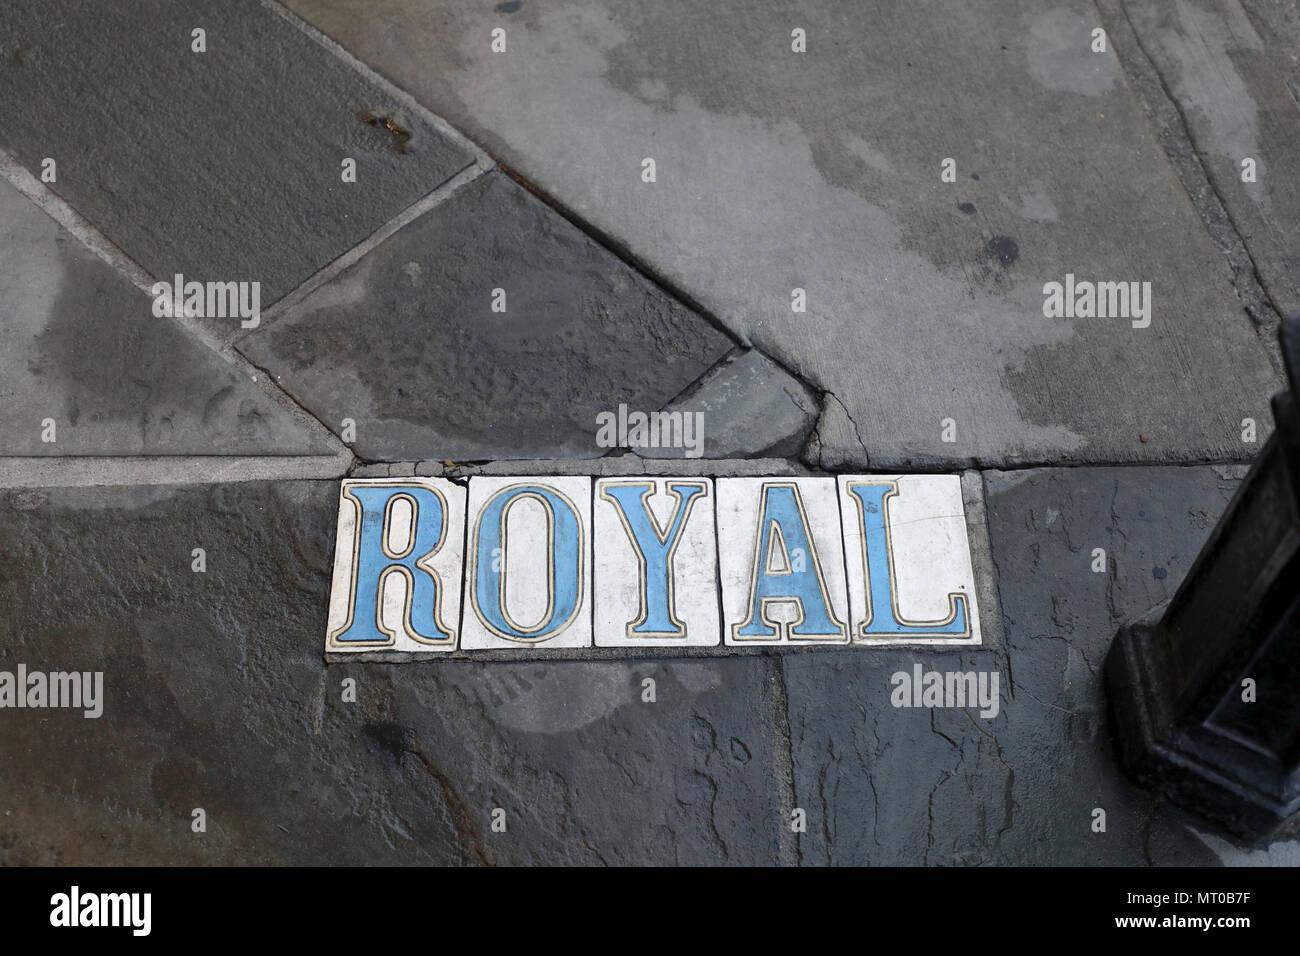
1232,89
216,697
224,165
79,344
820,171
407,345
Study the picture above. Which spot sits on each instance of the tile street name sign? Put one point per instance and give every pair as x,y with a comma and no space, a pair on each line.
428,565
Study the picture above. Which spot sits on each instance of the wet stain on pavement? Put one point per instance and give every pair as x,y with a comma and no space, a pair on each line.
1004,248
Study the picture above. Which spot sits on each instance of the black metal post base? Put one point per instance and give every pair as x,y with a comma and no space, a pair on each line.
1246,799
1205,690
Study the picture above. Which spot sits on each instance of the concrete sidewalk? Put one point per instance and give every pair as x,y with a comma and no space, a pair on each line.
502,269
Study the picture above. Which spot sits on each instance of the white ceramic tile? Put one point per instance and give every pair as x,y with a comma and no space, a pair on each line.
779,538
656,565
528,563
919,555
407,599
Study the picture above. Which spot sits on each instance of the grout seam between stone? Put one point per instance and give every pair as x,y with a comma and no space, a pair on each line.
790,846
331,270
1202,192
58,209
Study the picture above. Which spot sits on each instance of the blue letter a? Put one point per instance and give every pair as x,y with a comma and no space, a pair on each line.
782,523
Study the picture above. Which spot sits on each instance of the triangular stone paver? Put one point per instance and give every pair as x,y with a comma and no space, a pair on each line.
406,343
747,405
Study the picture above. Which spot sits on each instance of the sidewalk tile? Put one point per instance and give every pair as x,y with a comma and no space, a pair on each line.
398,560
781,562
656,563
905,539
528,570
224,165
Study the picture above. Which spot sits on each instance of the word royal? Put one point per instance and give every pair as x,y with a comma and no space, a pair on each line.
426,565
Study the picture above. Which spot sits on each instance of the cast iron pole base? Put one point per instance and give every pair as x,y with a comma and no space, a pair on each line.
1252,805
1205,691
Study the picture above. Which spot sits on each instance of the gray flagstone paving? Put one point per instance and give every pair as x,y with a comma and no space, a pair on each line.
780,178
214,677
79,344
407,345
750,406
903,785
216,697
223,165
778,170
1231,88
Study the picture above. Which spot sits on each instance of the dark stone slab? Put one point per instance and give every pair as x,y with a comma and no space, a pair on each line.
79,344
406,344
589,774
746,406
217,697
893,785
223,165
